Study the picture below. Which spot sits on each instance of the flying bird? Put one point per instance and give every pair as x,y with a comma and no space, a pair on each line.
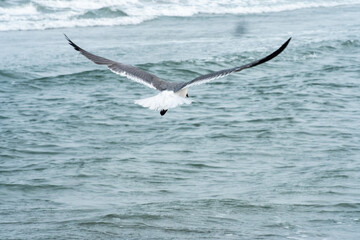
172,94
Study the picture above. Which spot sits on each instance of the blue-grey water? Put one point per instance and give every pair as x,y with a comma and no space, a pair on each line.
271,152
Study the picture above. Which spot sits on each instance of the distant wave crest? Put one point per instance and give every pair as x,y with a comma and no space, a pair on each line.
45,14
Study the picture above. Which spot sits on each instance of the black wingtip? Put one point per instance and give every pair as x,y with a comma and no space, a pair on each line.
76,47
284,45
277,52
269,57
287,42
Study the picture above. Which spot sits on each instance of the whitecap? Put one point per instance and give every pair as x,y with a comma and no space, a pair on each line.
44,14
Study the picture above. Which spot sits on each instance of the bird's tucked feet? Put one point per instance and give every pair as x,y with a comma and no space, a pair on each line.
162,112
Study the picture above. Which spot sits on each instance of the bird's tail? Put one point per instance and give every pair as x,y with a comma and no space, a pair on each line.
163,101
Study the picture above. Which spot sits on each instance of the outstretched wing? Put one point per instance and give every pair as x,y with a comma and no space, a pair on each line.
219,74
128,71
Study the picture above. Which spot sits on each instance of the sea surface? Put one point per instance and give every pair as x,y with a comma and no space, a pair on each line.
271,152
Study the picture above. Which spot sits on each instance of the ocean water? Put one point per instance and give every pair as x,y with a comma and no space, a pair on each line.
272,152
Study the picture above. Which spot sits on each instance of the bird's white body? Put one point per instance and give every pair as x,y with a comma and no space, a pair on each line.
165,100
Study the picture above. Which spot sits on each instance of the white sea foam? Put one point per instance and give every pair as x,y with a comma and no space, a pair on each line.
44,14
23,10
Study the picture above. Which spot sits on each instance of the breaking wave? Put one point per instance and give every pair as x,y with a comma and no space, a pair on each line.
45,14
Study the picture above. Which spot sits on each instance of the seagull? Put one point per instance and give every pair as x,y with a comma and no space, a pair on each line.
172,94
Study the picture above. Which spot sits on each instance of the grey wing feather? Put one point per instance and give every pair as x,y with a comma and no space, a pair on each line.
219,74
128,71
